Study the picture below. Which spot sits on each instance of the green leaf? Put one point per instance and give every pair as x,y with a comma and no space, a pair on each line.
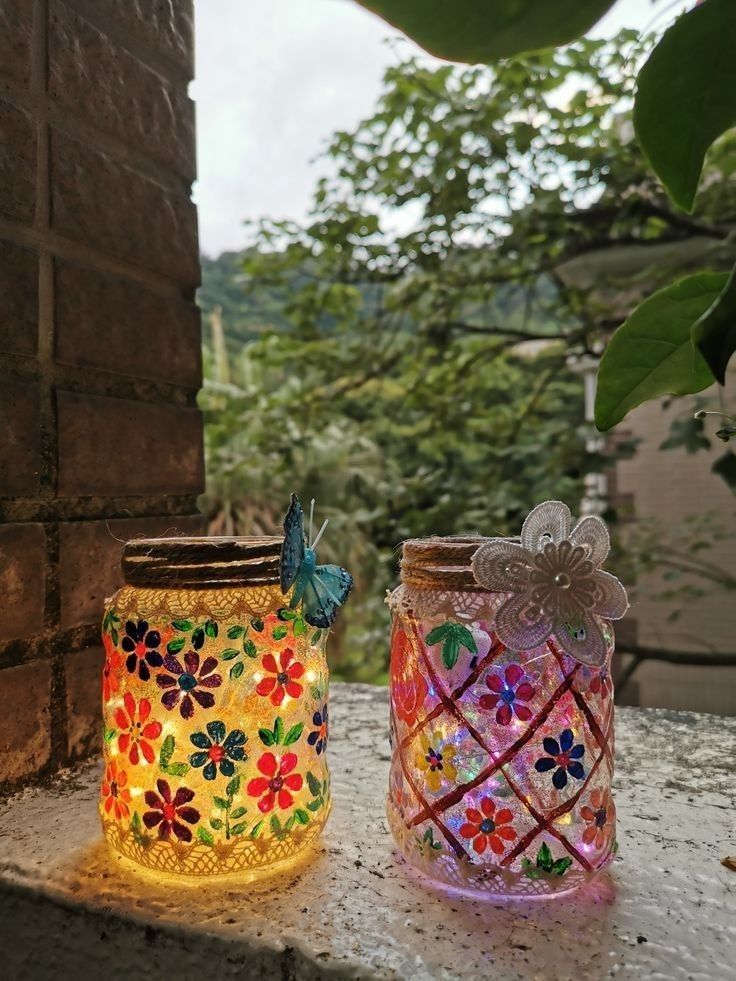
198,638
234,632
204,836
450,651
256,829
176,769
216,823
257,624
135,824
238,829
438,633
229,653
211,628
453,637
286,614
714,333
561,866
301,816
280,632
239,812
544,858
276,826
233,786
185,625
465,638
300,627
278,730
290,823
236,670
686,96
109,735
314,805
175,645
293,734
652,354
315,787
114,635
267,737
315,638
222,803
167,750
476,31
250,648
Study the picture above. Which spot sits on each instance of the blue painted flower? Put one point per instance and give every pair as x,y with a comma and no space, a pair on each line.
218,750
563,758
318,737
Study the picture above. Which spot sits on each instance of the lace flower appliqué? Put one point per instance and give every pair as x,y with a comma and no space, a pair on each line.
558,589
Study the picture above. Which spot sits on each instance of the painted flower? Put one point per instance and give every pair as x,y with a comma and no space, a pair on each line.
167,813
115,791
487,827
564,758
188,682
597,816
134,731
110,669
435,760
600,683
408,687
282,679
318,736
277,782
141,645
508,695
218,750
556,584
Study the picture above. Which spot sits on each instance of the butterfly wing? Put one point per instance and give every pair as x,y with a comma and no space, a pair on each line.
324,593
292,551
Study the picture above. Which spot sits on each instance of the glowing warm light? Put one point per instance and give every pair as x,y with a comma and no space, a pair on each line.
215,730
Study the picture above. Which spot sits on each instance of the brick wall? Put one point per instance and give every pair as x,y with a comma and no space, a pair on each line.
100,439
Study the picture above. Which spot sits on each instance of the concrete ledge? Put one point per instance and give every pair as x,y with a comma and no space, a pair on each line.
668,909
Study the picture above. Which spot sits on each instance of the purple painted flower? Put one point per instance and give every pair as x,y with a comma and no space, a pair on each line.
188,681
141,647
318,736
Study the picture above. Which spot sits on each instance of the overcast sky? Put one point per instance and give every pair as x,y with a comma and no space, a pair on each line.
275,78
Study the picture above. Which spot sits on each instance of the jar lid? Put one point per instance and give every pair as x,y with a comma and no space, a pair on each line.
440,563
202,563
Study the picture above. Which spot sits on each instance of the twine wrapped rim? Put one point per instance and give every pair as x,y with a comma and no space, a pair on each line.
202,563
442,562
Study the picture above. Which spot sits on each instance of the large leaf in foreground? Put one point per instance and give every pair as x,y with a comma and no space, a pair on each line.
652,354
485,30
686,95
715,333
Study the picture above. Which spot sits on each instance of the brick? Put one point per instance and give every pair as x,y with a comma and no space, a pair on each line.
17,163
101,320
16,27
25,714
22,580
103,82
89,560
165,26
106,205
20,439
19,292
118,447
84,702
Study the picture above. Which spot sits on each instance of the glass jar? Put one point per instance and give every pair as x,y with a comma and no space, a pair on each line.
502,759
215,711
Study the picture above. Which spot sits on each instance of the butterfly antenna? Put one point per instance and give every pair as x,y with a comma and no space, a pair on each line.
320,533
311,519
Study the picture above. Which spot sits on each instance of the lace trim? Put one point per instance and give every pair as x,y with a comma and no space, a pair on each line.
132,602
426,604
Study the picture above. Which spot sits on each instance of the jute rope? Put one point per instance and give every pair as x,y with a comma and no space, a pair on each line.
201,563
440,563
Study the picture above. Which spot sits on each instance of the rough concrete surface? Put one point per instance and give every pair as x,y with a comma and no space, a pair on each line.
666,910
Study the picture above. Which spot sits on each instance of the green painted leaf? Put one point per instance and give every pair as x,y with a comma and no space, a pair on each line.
234,632
314,805
466,638
236,670
315,787
714,333
652,354
229,653
238,829
198,638
300,627
204,836
315,638
216,823
278,730
280,632
175,645
109,735
453,637
438,633
222,803
114,635
544,858
450,651
176,769
476,31
239,812
185,625
211,628
286,614
293,734
257,624
250,648
256,829
301,816
276,826
686,96
267,737
233,786
290,823
167,750
561,866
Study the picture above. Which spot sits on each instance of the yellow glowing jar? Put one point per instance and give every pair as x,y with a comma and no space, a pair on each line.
215,711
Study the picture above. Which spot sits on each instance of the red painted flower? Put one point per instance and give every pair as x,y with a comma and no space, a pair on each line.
597,817
507,695
283,680
115,793
600,683
110,669
135,731
168,813
276,783
408,687
488,827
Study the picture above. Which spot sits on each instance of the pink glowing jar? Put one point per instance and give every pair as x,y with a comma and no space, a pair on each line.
502,708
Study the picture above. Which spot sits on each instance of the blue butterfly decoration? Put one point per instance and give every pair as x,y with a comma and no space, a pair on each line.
321,589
